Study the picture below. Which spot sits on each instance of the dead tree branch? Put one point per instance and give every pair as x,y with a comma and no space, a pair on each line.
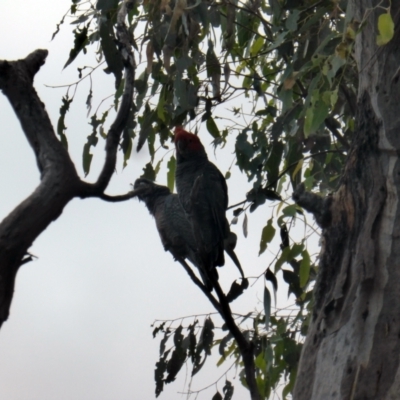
60,182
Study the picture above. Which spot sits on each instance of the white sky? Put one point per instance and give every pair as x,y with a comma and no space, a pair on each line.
80,320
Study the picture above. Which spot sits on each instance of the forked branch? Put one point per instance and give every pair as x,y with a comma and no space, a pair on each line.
60,182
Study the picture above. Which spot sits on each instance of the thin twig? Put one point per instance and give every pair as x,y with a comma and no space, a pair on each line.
285,171
197,282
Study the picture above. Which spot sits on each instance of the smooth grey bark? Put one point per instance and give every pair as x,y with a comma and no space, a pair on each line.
59,180
352,349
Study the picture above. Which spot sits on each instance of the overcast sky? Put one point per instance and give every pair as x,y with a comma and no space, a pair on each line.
80,320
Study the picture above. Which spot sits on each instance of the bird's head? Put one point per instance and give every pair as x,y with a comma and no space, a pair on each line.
188,144
148,191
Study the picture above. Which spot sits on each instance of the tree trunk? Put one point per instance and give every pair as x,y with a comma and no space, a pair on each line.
352,350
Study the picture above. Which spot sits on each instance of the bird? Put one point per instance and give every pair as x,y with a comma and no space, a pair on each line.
173,227
175,230
203,193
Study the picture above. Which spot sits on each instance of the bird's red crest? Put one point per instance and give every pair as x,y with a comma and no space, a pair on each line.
191,140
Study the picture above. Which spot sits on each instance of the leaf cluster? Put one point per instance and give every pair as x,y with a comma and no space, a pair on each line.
277,80
276,351
193,343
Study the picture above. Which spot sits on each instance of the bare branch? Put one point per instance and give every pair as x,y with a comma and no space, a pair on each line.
59,180
117,127
245,347
197,282
16,79
122,197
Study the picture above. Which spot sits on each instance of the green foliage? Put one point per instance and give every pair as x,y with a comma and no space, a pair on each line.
80,42
237,290
171,165
277,350
386,29
302,69
61,128
87,155
194,344
110,50
267,307
291,64
267,235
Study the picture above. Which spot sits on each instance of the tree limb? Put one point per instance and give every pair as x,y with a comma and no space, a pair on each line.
122,197
59,180
197,282
245,347
117,127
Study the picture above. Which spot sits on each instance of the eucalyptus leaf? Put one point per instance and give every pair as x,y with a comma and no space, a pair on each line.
267,235
267,307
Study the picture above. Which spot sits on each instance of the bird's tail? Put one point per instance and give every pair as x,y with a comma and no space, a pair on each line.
208,277
229,246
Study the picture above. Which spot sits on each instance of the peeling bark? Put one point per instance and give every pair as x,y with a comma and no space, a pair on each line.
352,347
